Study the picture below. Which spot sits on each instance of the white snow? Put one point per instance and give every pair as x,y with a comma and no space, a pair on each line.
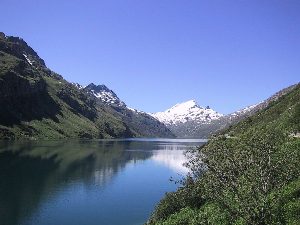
132,109
187,111
244,110
78,86
135,110
28,60
108,97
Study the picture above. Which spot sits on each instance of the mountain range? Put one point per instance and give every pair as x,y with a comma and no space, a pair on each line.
189,120
140,122
246,174
37,103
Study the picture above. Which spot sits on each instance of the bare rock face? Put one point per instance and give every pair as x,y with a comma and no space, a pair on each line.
19,48
104,94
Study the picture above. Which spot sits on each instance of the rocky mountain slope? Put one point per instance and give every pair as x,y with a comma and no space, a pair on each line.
140,122
104,94
37,103
189,120
234,118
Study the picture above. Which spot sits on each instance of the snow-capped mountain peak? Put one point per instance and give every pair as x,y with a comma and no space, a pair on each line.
187,111
181,108
104,94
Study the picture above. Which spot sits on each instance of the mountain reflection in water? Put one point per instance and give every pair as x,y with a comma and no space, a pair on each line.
59,182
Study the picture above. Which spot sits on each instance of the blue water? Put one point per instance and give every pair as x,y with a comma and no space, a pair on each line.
87,182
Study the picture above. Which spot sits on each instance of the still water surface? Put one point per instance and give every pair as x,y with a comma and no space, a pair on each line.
107,182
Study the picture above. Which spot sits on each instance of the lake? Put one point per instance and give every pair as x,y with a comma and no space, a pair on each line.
107,182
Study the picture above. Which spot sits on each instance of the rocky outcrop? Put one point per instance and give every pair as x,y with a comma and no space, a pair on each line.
18,47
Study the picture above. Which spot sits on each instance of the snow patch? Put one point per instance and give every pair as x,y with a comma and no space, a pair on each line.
107,97
244,110
78,86
134,110
187,111
104,94
28,60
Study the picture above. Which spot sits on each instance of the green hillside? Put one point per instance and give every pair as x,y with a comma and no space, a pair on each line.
36,103
249,174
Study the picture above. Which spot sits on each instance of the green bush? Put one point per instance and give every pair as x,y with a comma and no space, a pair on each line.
190,195
251,176
208,214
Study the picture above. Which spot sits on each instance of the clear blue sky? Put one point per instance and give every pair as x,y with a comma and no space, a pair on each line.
154,53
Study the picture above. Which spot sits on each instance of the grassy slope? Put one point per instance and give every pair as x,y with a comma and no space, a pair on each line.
36,103
194,204
66,122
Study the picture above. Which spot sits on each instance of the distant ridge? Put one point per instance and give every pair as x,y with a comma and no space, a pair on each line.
189,120
140,122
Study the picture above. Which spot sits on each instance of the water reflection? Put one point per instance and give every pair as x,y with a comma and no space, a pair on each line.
172,159
34,175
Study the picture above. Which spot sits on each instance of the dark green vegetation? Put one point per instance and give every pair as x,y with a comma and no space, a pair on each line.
248,174
36,103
